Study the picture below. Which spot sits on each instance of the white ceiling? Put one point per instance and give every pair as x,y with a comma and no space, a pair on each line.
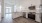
24,3
10,2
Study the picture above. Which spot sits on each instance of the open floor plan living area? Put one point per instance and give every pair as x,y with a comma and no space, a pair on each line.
20,11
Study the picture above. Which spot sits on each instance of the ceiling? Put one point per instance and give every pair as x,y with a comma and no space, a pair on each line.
10,2
13,2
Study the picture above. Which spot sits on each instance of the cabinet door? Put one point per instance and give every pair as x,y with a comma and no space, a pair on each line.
37,17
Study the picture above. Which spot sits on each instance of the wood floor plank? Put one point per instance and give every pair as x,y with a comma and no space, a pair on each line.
23,20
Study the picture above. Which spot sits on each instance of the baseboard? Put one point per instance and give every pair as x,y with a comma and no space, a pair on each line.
37,21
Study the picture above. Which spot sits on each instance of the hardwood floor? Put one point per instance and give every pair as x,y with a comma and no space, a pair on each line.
23,20
8,19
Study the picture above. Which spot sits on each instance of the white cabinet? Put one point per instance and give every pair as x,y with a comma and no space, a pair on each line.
38,17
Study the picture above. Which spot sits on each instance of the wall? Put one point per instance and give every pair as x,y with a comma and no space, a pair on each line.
0,17
0,11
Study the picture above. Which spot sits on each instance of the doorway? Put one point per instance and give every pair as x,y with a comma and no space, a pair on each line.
8,15
8,11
